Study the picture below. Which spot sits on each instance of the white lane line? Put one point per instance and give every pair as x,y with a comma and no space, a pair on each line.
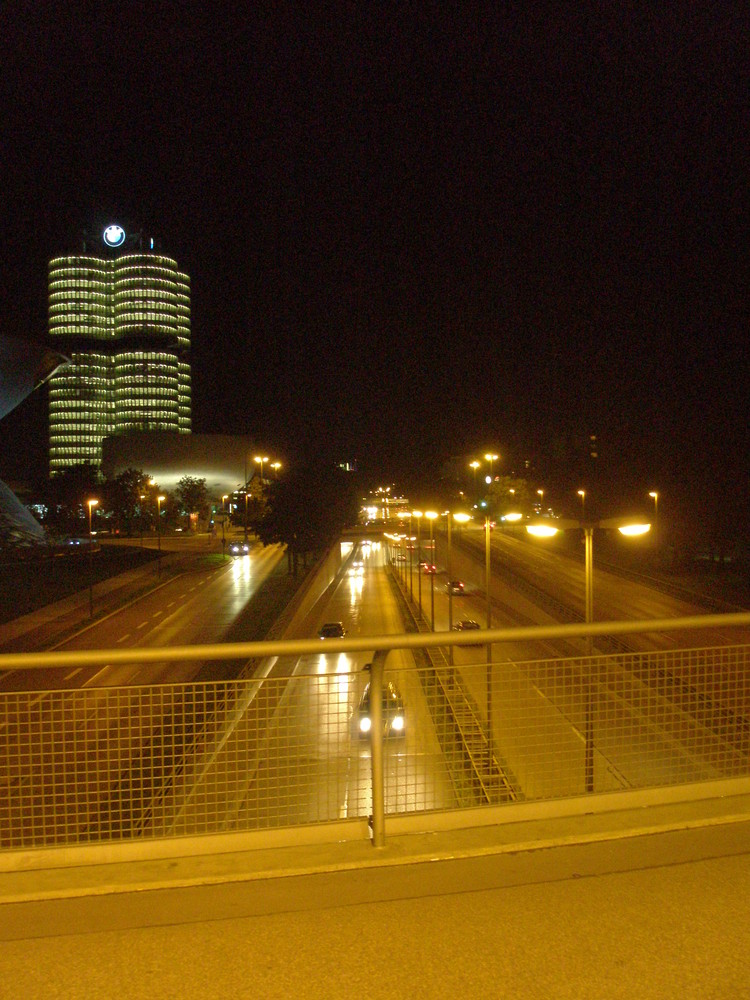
157,613
124,637
73,673
170,605
143,625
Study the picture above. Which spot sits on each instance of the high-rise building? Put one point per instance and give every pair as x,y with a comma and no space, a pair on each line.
121,312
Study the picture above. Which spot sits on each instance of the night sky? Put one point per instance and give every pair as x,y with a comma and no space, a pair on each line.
413,230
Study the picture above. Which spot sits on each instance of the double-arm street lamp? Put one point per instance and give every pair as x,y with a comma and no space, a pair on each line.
547,529
260,459
489,457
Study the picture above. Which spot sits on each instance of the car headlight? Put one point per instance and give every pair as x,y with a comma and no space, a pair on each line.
364,724
398,723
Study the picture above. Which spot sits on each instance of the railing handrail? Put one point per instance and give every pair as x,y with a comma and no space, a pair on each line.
351,644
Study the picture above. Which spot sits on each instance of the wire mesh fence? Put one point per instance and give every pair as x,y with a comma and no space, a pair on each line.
294,748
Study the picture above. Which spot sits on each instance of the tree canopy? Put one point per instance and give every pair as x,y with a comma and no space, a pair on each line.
307,510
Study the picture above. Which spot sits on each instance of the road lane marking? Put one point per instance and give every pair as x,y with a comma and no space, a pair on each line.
124,637
73,673
157,613
142,625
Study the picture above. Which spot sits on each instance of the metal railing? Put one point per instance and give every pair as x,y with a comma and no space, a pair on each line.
286,747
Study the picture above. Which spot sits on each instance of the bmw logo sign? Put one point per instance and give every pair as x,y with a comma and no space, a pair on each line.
114,236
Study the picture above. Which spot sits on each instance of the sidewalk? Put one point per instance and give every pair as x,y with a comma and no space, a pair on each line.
636,904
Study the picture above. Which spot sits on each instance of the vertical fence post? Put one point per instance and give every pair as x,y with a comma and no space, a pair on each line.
376,749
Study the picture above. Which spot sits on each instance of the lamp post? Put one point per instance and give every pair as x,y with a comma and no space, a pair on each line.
260,460
411,561
582,495
431,515
487,575
91,504
489,457
159,500
629,529
140,518
459,518
474,466
417,514
276,466
245,511
655,497
541,498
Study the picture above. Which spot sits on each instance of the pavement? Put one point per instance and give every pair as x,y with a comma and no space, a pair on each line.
638,902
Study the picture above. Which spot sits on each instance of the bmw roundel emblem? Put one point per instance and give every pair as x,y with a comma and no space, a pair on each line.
114,236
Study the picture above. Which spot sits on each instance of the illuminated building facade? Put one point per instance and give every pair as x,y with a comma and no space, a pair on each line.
121,313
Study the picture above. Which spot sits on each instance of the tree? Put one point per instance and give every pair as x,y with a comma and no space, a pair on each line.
307,511
123,498
507,494
66,496
192,496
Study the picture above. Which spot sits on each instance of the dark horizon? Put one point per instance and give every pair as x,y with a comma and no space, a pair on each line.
411,235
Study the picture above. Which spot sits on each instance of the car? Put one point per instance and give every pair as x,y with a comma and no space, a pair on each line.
239,548
393,712
332,630
467,625
455,587
429,568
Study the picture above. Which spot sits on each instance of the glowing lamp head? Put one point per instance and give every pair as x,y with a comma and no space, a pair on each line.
634,529
541,530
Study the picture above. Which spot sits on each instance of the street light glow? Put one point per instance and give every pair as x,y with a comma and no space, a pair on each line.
541,530
634,529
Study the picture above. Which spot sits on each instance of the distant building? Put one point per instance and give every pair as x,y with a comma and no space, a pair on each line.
121,312
225,461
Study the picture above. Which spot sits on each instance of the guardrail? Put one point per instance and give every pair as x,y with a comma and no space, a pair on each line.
120,764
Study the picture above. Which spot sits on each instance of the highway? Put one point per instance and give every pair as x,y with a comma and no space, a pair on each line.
313,764
302,758
198,605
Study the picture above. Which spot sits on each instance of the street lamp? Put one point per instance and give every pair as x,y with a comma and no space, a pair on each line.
487,574
460,518
260,460
417,514
276,466
626,528
431,515
491,459
541,499
655,497
411,561
91,504
474,466
140,519
582,495
159,500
